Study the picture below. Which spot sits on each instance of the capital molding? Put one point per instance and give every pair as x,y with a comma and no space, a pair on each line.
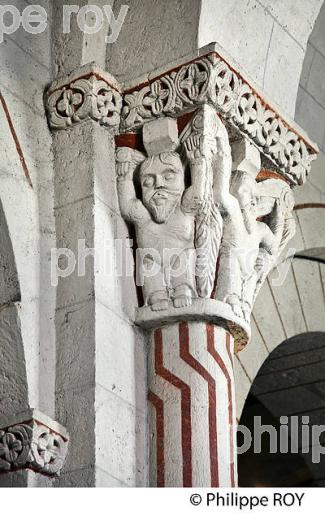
201,310
211,77
89,93
31,440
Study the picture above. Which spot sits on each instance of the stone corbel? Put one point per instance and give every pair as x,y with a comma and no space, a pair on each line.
33,441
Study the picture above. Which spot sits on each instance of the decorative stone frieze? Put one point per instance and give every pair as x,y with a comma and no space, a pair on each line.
32,441
89,93
211,78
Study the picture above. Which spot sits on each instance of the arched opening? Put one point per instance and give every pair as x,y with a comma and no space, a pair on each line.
288,399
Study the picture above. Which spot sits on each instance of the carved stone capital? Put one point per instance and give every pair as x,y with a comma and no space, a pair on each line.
208,229
88,93
32,440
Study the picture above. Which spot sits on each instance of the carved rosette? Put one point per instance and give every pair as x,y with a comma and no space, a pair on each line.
33,445
211,80
90,97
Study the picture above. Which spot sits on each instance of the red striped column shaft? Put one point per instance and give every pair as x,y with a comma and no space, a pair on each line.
192,406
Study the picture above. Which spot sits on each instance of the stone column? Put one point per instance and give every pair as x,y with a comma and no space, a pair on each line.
192,436
192,406
204,166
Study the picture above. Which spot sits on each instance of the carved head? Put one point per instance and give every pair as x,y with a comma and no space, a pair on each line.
244,188
162,183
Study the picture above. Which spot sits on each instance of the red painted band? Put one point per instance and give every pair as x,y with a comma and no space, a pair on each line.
186,356
16,140
186,425
160,441
217,358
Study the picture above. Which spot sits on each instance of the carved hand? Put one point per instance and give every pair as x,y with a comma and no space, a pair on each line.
199,148
223,146
127,160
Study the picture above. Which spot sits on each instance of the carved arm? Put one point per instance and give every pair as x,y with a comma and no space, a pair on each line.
274,232
196,193
127,161
222,165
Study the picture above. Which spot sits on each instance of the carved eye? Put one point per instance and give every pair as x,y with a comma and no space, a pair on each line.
148,181
169,176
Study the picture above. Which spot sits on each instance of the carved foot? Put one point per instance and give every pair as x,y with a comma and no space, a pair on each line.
158,301
182,296
247,311
184,301
236,305
160,305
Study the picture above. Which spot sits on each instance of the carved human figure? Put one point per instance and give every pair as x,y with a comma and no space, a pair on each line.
245,240
164,223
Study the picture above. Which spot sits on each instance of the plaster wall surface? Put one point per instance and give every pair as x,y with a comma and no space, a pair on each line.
310,107
267,38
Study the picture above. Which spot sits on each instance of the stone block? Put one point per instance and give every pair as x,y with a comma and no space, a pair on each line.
282,69
247,45
75,357
269,322
119,344
120,439
13,375
160,136
317,37
75,409
310,288
295,16
253,356
310,53
315,84
245,157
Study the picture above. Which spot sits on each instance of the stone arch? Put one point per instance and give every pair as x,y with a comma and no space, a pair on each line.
289,384
13,377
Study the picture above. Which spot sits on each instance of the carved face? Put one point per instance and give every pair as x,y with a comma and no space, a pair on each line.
243,187
162,182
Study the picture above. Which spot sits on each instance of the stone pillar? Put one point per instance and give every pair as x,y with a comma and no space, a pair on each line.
204,169
100,384
192,413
